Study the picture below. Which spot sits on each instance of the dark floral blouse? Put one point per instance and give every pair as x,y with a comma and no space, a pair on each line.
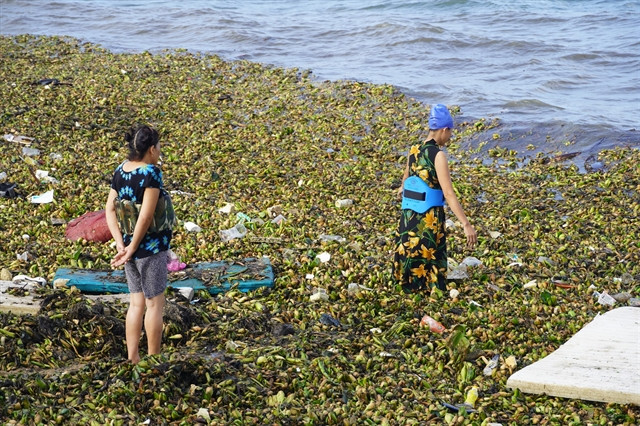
131,186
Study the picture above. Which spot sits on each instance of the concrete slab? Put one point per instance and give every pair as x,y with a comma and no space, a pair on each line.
601,362
19,305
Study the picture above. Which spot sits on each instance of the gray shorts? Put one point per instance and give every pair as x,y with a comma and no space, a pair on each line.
147,275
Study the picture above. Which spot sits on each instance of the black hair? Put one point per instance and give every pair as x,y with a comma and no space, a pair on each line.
140,138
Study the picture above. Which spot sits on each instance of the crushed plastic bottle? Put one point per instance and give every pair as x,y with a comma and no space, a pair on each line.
434,325
491,366
604,298
472,396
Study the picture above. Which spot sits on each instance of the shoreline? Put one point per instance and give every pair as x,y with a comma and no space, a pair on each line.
551,138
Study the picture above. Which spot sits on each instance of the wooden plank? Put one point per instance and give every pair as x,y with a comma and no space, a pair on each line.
215,277
601,362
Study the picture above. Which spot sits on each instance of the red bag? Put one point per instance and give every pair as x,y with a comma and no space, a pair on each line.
91,226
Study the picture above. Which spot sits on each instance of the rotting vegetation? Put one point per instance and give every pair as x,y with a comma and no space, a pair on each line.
260,136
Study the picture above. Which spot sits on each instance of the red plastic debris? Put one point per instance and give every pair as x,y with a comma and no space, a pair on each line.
91,226
434,325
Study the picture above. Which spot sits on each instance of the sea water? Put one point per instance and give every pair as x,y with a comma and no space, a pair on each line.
567,69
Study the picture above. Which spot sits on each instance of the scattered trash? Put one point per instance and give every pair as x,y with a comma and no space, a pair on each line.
634,301
278,219
186,292
434,325
18,139
24,256
385,354
45,198
243,217
604,298
43,176
530,284
324,257
355,288
319,294
458,273
511,362
30,152
237,231
203,413
375,330
453,293
515,260
50,82
8,190
471,261
174,263
491,365
327,319
495,234
473,302
310,276
472,396
449,224
622,297
3,176
192,227
456,408
344,203
543,259
55,156
325,238
26,278
90,226
227,209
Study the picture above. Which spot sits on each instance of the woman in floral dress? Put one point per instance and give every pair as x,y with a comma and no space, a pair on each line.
420,259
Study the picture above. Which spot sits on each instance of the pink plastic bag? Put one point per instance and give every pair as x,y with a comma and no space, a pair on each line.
173,262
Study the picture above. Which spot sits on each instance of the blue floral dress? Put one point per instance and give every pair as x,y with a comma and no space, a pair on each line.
131,186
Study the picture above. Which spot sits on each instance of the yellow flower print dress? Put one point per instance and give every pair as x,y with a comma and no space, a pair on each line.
420,258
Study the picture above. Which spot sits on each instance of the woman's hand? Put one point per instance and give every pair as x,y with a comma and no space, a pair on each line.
123,256
472,237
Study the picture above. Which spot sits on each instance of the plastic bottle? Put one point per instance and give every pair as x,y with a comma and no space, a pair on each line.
434,325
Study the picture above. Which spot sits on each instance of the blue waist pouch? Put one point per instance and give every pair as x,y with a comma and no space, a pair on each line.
417,195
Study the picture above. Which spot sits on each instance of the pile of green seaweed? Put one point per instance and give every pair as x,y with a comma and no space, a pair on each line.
262,137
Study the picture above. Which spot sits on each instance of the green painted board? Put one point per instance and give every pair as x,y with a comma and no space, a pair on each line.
216,277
